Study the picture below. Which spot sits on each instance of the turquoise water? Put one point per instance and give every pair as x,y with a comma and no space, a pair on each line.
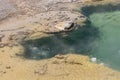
107,47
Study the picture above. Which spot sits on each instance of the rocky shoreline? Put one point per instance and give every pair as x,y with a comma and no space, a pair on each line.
16,26
51,21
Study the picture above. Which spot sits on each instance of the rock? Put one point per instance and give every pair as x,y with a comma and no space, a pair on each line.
70,0
6,9
2,45
65,26
1,36
59,56
73,59
93,59
10,45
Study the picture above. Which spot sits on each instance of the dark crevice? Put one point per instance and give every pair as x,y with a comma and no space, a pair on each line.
90,9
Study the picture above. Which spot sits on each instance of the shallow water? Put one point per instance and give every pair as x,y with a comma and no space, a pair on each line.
107,47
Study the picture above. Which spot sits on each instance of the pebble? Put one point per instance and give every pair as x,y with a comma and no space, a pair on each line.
93,59
101,63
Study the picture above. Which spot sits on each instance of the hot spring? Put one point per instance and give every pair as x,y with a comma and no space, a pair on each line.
99,38
107,19
107,48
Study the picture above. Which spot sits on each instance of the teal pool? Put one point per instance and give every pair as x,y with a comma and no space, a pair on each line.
107,47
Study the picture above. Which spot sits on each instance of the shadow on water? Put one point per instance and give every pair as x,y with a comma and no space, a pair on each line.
90,9
78,41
